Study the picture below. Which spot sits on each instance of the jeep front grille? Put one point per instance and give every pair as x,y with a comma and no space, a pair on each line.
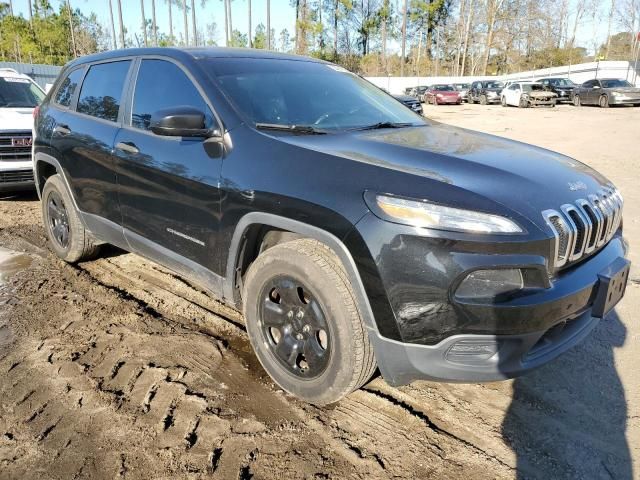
584,226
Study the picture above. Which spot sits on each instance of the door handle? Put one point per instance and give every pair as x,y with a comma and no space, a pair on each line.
62,129
128,147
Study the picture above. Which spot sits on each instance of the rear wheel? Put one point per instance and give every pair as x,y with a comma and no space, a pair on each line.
304,324
67,236
603,101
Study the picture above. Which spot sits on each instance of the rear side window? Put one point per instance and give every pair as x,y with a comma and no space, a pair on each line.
161,85
68,87
101,91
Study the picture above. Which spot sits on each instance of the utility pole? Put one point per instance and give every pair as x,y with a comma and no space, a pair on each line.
193,23
250,41
268,24
121,24
155,24
404,37
186,22
113,27
144,23
73,37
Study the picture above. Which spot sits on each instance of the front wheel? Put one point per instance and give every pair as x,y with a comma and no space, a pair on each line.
503,101
603,101
67,236
303,322
576,101
524,103
483,99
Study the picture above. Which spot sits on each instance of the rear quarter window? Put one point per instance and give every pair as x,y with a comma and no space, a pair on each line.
68,87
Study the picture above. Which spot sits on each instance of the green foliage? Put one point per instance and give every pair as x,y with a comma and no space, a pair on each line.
47,39
238,39
260,38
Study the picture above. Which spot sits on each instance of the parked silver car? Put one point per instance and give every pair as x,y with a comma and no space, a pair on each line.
605,92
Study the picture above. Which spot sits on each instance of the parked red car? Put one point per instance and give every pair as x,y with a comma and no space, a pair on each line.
441,94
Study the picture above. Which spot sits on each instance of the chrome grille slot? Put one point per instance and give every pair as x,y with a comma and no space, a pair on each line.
581,228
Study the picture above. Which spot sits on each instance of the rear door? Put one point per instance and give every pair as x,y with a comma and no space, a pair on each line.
168,186
84,135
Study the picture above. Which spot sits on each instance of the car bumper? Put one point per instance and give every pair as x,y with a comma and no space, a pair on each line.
16,180
433,336
445,100
501,356
623,101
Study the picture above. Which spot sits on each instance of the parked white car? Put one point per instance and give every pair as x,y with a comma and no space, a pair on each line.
527,94
19,95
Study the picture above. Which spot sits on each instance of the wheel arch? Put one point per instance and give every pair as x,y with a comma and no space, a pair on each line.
249,228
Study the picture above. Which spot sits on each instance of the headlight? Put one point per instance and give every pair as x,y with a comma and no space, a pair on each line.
616,94
429,215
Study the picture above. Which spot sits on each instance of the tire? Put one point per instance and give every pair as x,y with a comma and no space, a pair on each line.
576,101
67,236
603,101
306,276
503,101
483,99
523,103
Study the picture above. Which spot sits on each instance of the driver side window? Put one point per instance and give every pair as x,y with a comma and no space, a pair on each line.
162,84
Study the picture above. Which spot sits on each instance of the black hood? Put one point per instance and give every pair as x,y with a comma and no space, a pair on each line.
521,177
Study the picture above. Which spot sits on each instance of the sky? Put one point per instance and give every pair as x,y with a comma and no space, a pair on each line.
282,16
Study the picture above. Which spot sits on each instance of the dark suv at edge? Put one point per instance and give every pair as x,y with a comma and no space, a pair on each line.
350,231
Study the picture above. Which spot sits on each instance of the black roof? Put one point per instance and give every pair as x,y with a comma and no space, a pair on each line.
194,53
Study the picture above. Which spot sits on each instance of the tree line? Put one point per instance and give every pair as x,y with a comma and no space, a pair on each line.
372,37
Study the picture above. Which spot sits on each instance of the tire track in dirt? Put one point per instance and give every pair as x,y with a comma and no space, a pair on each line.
141,351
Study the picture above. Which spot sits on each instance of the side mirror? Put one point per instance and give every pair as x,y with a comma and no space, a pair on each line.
182,121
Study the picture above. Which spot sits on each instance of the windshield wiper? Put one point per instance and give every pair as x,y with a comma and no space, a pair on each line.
378,125
303,129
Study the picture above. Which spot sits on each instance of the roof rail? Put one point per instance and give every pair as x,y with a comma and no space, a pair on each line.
7,69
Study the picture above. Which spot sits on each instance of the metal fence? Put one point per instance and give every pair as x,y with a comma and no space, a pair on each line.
41,74
578,73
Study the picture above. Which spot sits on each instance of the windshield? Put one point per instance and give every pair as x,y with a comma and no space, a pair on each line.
462,86
302,93
614,83
562,82
495,85
527,87
443,88
19,92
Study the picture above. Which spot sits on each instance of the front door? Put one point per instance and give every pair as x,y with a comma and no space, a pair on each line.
168,186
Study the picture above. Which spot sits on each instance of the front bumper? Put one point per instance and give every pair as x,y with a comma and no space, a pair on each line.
620,100
429,331
507,356
16,180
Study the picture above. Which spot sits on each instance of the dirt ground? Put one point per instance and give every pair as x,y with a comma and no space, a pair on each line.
118,368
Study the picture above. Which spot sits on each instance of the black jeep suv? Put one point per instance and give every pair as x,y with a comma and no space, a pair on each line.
351,232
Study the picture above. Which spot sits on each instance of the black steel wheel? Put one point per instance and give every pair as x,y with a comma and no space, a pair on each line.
294,327
58,220
304,324
66,233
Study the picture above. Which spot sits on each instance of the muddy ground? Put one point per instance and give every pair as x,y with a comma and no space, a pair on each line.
118,368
